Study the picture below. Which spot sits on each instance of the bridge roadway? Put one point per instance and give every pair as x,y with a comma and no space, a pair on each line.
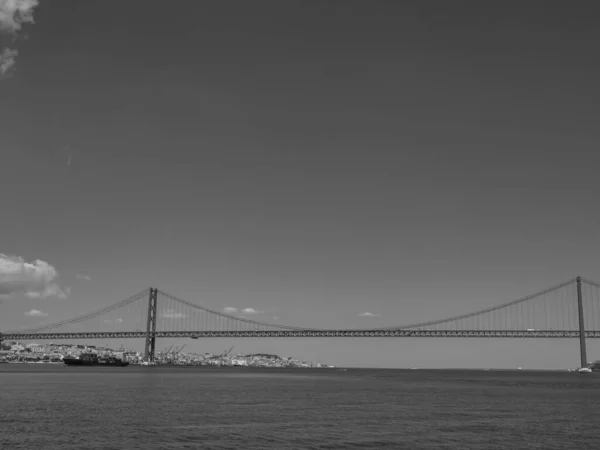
305,333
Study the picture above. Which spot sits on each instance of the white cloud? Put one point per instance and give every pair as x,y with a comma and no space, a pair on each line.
36,313
83,277
7,60
229,309
368,314
117,320
170,314
35,279
51,290
13,14
275,318
249,311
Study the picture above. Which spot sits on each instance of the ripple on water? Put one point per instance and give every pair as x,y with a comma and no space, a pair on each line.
304,409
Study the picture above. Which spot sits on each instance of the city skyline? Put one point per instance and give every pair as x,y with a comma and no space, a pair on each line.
303,163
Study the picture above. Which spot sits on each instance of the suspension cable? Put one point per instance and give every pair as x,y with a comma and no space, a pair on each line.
83,317
483,311
228,316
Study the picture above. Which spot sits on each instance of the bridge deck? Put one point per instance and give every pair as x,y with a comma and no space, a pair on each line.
306,333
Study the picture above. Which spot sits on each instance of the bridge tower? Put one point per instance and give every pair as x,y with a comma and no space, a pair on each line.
582,348
151,326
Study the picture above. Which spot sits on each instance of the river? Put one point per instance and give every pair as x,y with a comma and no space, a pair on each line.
56,407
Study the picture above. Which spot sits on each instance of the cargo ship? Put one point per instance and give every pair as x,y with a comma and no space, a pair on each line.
91,359
84,359
112,361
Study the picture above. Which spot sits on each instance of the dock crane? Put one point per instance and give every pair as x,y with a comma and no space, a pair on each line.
171,355
223,355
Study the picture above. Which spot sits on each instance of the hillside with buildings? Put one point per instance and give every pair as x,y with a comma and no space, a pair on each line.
16,352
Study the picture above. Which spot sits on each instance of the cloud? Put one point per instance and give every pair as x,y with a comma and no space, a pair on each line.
117,320
13,14
368,314
83,277
36,313
51,290
232,310
35,279
7,60
170,314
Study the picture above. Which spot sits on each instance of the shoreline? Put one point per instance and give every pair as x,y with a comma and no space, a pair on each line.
283,368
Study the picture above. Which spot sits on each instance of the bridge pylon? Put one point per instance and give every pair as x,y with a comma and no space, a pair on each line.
151,326
582,347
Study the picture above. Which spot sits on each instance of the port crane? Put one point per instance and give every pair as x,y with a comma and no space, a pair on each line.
171,355
166,351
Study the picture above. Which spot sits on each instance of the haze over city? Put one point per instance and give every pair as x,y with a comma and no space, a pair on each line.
318,164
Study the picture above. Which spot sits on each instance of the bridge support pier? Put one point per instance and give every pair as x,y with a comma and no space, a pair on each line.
582,348
151,326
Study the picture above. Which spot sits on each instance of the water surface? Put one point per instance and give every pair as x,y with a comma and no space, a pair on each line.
55,407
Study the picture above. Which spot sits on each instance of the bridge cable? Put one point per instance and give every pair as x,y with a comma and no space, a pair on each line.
83,317
228,316
484,311
591,283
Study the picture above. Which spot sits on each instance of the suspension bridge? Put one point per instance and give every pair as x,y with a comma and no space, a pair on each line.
567,310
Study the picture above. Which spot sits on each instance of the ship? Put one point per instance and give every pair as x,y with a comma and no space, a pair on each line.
84,359
91,359
112,361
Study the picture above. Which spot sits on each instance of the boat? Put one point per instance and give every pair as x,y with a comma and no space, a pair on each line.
91,359
112,361
84,359
584,370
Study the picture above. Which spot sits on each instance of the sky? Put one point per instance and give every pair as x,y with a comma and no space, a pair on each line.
310,159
